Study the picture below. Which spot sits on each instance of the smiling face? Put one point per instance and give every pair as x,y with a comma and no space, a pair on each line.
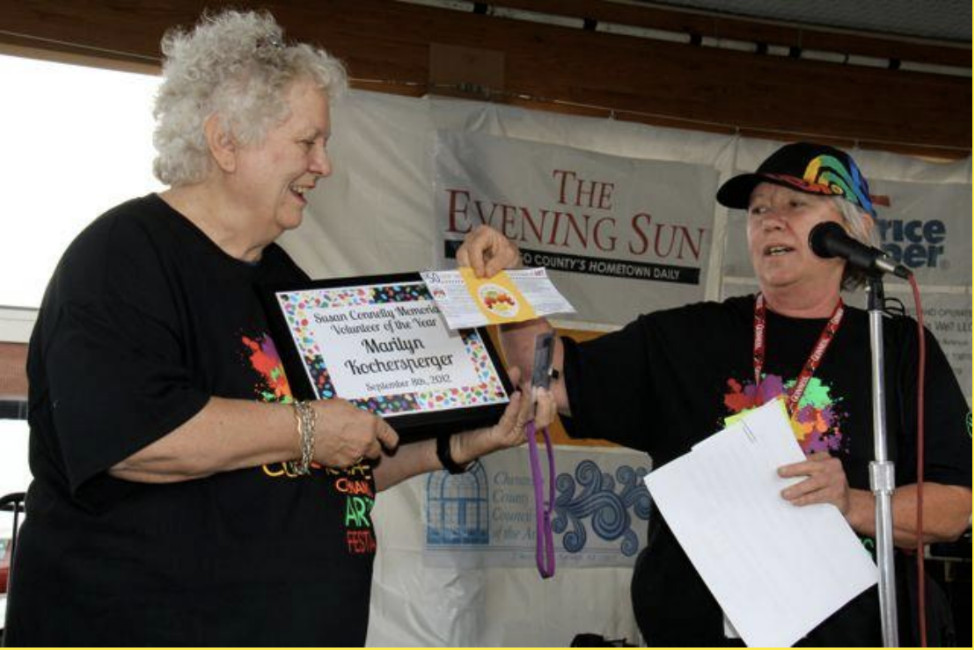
273,177
779,220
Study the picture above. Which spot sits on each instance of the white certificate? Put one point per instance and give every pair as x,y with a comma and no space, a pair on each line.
381,343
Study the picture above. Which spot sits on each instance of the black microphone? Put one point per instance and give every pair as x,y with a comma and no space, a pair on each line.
829,239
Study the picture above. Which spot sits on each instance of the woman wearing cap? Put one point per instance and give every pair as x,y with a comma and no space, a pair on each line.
670,378
170,506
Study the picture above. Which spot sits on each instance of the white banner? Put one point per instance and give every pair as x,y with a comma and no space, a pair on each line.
925,227
486,516
948,317
620,236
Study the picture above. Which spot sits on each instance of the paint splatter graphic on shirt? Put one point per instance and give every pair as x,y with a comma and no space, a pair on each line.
266,361
817,424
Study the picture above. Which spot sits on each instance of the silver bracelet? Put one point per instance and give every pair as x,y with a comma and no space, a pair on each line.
306,417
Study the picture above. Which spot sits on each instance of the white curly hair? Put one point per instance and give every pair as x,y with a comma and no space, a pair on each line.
237,65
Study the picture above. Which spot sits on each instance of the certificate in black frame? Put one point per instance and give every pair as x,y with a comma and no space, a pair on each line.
427,411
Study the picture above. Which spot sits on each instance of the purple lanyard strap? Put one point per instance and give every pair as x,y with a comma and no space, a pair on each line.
544,543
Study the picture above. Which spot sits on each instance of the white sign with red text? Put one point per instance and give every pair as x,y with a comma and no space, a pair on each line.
619,236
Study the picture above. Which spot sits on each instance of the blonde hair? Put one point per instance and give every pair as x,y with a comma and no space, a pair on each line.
236,65
861,227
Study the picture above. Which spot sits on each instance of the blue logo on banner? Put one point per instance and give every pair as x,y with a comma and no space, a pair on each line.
914,242
597,500
457,507
458,512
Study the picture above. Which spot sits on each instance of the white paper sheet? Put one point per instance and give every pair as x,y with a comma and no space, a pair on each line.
776,569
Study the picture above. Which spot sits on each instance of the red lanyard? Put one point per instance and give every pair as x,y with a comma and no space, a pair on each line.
814,359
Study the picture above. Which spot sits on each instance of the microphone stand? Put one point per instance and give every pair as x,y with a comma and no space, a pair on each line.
882,479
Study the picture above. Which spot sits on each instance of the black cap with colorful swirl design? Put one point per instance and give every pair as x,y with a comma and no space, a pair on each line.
804,167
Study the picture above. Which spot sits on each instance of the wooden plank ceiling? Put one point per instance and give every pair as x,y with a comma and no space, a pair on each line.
387,46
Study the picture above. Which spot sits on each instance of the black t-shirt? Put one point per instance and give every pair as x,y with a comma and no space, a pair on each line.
144,320
669,379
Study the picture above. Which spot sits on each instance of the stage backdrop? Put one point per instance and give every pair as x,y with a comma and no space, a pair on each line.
624,214
614,233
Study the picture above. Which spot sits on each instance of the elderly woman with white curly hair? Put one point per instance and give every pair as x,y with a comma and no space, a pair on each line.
173,502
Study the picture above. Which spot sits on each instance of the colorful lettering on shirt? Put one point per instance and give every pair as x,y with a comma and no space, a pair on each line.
360,542
354,483
347,486
357,511
817,422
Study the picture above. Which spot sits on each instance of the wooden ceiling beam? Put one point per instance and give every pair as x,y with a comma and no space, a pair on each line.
386,45
768,32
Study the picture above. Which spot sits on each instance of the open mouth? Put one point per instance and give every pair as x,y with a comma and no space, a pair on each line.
300,191
777,250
